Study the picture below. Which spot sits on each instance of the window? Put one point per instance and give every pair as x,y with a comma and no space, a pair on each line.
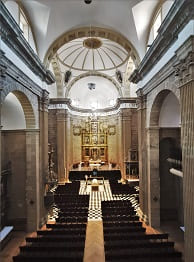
157,20
24,25
157,24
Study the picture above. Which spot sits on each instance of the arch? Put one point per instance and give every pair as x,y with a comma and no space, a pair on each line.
156,106
28,110
94,32
22,9
92,74
161,9
24,100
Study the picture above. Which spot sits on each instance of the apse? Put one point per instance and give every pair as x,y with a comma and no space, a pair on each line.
103,93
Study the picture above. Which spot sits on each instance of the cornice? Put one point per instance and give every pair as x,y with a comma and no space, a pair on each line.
65,103
8,69
165,72
12,35
179,15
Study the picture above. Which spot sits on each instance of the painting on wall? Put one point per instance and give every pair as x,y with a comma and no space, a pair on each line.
94,139
94,127
102,151
134,156
102,140
87,152
86,139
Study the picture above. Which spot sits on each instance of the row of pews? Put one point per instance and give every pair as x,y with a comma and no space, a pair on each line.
65,239
125,239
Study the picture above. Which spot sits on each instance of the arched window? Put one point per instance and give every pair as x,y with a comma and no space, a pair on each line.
24,24
17,11
157,19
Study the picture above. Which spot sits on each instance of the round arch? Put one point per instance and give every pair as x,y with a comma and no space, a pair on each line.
94,32
156,106
24,99
93,74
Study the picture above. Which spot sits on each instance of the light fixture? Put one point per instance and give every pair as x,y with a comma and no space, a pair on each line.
88,1
91,86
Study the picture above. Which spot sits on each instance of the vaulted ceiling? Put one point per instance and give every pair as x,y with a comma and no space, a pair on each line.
51,19
91,42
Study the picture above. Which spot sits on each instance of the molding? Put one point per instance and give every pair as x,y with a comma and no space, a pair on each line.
93,73
179,15
65,103
91,32
44,100
184,68
12,35
166,71
8,69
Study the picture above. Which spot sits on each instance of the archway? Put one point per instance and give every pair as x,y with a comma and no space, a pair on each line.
170,158
19,145
164,124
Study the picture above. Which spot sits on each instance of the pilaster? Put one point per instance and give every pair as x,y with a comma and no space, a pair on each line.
43,124
32,180
142,155
153,189
62,118
126,118
184,72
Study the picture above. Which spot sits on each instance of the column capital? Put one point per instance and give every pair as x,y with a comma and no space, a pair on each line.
141,101
44,100
184,70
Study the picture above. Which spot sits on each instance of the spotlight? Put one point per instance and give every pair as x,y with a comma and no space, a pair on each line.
88,1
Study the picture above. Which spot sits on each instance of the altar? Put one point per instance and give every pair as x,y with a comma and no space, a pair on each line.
92,166
98,161
94,163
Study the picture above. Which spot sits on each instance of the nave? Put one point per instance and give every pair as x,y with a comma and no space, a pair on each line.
89,224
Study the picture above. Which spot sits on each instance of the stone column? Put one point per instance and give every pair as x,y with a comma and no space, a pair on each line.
153,176
32,180
125,138
142,156
43,124
184,71
62,140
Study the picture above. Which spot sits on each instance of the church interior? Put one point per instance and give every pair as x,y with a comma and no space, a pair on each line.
97,130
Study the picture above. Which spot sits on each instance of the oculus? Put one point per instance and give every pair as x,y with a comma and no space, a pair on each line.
92,43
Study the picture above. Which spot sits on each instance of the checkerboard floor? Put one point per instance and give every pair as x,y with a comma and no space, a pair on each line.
104,193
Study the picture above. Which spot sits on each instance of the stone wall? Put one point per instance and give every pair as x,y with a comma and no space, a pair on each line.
14,151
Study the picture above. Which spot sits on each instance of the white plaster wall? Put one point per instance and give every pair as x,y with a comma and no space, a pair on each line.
133,89
104,93
166,7
12,114
52,89
170,112
13,9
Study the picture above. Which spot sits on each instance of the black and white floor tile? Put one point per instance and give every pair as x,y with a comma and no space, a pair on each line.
104,193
